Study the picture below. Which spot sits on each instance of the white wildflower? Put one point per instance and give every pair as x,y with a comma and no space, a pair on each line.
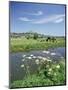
22,66
55,74
37,61
49,60
27,66
39,57
49,73
58,66
29,57
47,66
50,69
44,58
53,53
41,61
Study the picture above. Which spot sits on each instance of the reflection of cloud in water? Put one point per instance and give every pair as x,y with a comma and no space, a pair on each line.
31,55
34,57
61,57
47,52
23,55
53,53
23,59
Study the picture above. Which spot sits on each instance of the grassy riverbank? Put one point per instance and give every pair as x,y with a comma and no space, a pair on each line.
49,73
23,44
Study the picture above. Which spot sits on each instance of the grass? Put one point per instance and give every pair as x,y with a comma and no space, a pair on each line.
23,44
50,74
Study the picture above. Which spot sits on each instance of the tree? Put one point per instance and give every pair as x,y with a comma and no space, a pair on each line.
35,36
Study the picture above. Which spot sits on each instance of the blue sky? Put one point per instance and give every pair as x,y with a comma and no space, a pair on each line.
48,19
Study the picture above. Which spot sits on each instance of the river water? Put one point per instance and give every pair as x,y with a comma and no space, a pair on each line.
19,59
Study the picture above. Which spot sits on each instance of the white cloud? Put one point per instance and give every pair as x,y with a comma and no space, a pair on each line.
52,19
24,19
38,13
59,20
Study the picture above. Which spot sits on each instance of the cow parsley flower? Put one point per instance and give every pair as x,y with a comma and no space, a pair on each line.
50,69
29,57
22,66
37,61
58,66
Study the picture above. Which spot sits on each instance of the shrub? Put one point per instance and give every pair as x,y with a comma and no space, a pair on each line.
35,36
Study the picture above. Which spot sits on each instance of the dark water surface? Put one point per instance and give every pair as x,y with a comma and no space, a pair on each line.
19,61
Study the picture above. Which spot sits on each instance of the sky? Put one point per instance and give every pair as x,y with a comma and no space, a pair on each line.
48,19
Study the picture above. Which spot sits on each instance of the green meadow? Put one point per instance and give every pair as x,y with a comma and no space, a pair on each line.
24,44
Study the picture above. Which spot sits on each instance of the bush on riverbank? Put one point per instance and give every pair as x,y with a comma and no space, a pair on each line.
50,73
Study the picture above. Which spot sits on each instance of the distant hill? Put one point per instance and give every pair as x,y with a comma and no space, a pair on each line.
14,34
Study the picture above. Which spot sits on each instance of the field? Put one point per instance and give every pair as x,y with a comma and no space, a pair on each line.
49,72
23,44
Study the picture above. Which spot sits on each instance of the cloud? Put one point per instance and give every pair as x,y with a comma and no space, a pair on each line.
24,19
58,18
53,19
38,13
